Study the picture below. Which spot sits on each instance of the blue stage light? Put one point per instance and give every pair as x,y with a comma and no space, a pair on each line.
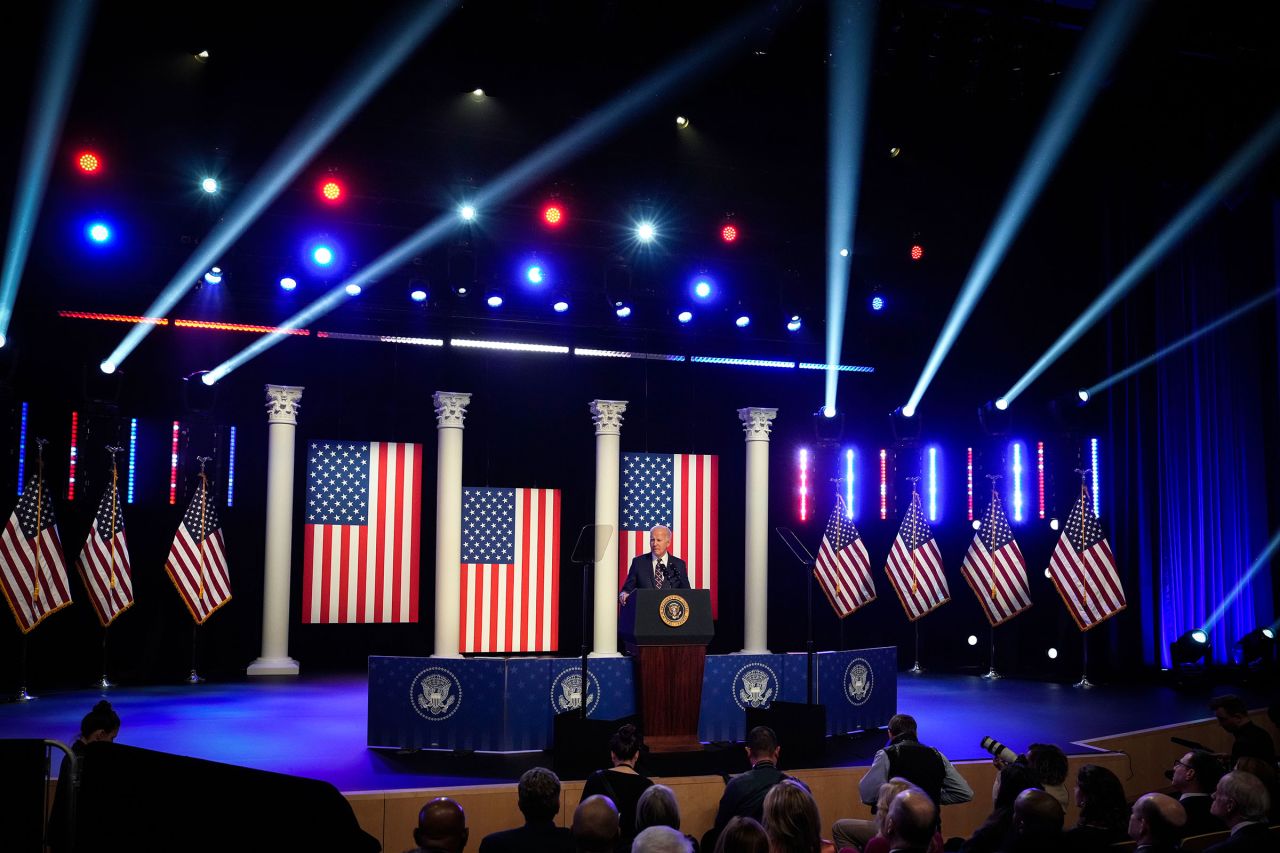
467,212
209,185
623,311
494,301
98,232
742,322
702,288
213,276
793,325
288,283
418,295
877,303
933,484
828,411
1083,395
1002,404
645,232
22,450
1016,470
685,316
560,307
352,289
231,470
1093,469
322,255
133,454
534,274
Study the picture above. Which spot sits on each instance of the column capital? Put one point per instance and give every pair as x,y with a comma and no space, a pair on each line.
607,416
756,422
283,402
451,408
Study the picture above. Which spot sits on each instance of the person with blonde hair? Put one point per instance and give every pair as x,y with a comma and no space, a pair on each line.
791,820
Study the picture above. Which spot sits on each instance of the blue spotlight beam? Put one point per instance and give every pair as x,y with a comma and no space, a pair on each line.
1234,314
57,73
1258,565
1097,53
851,28
1236,170
364,76
572,143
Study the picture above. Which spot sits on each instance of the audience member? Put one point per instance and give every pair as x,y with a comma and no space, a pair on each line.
539,802
1194,777
1104,814
1010,782
791,820
442,827
1240,801
100,725
661,839
1156,823
1267,773
596,825
621,783
904,756
742,835
911,821
658,807
1037,824
1250,738
744,795
879,843
1050,764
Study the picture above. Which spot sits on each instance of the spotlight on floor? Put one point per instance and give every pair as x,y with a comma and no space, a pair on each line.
1257,646
685,316
560,307
793,325
418,295
494,300
622,310
288,283
352,289
742,322
477,93
213,276
1192,647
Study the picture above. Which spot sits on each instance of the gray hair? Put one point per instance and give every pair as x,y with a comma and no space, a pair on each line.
657,527
1249,793
661,839
657,807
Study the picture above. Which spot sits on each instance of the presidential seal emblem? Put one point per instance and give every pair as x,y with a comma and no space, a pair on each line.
674,610
567,692
859,680
754,686
435,694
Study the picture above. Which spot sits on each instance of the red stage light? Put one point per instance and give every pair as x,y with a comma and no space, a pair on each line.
89,162
729,233
331,190
554,215
917,252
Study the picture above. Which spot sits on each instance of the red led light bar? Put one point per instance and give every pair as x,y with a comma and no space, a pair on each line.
113,318
238,327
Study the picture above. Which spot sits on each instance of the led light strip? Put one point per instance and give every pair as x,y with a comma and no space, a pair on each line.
71,475
382,339
969,479
231,470
613,353
741,362
510,346
1017,481
1040,473
114,318
173,465
841,368
848,483
933,484
884,484
22,451
239,327
804,484
1093,455
133,455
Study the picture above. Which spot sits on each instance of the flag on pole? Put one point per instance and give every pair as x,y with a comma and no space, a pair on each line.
915,565
680,491
1084,570
33,572
104,559
510,570
197,562
995,568
360,552
843,567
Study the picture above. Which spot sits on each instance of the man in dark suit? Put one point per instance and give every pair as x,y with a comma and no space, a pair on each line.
1249,737
539,793
1241,802
1156,822
744,795
659,569
1194,777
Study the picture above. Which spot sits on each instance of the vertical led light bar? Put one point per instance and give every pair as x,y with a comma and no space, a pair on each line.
22,451
231,470
848,483
884,484
933,484
173,465
133,455
1093,462
968,476
71,473
804,484
1040,475
1016,450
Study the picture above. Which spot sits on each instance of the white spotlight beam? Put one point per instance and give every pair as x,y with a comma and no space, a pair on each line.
1236,170
364,76
69,24
1097,53
572,143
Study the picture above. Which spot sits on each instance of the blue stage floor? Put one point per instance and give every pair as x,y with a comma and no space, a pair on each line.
315,727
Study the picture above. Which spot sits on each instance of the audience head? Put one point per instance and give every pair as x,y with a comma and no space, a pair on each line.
911,820
442,827
1197,772
1157,819
1239,797
102,723
625,744
1100,797
1049,762
902,724
1037,817
595,825
888,791
791,819
742,835
1011,781
661,839
762,745
657,807
539,793
1264,770
1230,710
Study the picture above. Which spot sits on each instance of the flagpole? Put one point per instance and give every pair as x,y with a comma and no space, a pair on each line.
991,673
194,677
23,695
1084,683
916,668
104,683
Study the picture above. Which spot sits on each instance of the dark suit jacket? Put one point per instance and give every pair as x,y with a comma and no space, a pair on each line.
1255,838
540,836
1199,821
640,575
744,795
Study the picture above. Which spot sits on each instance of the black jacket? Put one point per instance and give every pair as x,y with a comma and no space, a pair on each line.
744,795
543,837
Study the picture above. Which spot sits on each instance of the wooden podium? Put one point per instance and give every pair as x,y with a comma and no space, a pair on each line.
667,630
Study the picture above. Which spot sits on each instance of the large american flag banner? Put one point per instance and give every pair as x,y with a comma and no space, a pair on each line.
197,562
680,491
360,550
104,560
843,567
510,570
33,572
995,568
915,565
1084,570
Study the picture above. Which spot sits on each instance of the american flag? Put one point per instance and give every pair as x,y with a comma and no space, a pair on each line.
360,551
197,562
1084,570
915,565
680,491
510,570
843,567
104,560
996,569
33,573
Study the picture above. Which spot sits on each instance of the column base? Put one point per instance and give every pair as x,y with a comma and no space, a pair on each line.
604,655
273,666
754,652
453,656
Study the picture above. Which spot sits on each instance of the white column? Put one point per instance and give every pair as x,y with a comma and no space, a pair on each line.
451,409
756,425
607,417
282,419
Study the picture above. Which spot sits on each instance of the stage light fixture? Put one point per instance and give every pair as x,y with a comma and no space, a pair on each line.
623,311
107,367
99,232
685,316
917,251
682,122
1002,404
288,284
1047,574
1190,648
646,232
729,233
1257,646
467,212
89,163
213,276
828,411
554,214
703,288
895,151
418,295
793,325
534,274
209,185
352,289
493,300
1053,653
973,640
1083,395
1054,524
477,93
844,253
202,56
905,425
330,190
560,307
977,524
322,255
742,322
877,303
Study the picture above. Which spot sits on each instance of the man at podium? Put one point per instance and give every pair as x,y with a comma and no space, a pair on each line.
659,569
